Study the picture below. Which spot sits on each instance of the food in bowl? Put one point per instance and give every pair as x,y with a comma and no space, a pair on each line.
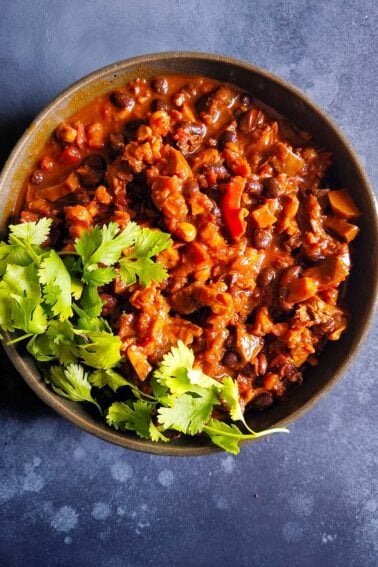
180,258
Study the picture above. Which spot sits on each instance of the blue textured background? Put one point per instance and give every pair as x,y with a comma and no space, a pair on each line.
306,499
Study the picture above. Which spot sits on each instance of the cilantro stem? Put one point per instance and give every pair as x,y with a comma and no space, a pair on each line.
18,339
68,252
28,249
253,435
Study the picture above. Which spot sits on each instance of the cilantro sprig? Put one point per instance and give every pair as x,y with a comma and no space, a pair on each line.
53,300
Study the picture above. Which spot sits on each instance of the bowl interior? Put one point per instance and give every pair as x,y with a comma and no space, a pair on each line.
346,172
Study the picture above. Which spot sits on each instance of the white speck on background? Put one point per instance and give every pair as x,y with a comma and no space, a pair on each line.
292,532
68,540
65,519
121,511
166,478
101,510
228,464
7,488
143,525
328,538
121,471
301,504
79,453
371,506
221,503
32,481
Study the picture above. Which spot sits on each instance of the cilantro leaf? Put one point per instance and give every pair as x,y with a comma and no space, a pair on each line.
155,433
196,377
173,369
23,281
72,383
225,436
228,437
90,301
56,282
187,413
6,322
160,392
135,416
12,254
30,232
87,244
176,372
143,269
87,323
102,378
99,276
58,342
76,288
101,350
105,245
231,399
28,315
150,242
138,263
39,346
20,298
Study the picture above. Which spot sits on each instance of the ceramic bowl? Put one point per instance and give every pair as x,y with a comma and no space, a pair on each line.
346,172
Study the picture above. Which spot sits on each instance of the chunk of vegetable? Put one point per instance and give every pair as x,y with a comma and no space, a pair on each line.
233,214
302,289
343,205
345,230
263,217
330,272
139,362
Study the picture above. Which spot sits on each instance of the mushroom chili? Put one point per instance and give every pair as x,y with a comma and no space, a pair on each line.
257,244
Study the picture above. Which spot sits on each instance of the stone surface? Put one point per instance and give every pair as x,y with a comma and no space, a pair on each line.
309,498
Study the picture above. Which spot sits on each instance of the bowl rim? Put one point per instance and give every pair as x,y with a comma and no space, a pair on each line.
35,381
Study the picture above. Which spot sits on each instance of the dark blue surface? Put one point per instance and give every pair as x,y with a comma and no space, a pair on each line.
306,499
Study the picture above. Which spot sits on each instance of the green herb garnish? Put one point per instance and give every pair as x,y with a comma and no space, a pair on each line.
52,299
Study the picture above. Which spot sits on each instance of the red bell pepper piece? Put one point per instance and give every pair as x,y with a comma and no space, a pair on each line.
232,212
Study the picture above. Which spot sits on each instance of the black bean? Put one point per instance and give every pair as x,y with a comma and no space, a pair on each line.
131,128
245,99
121,99
261,238
263,401
90,177
95,162
230,341
158,104
249,370
253,187
92,170
37,177
195,128
116,144
189,136
230,359
272,187
160,86
266,277
249,120
203,103
218,170
226,136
